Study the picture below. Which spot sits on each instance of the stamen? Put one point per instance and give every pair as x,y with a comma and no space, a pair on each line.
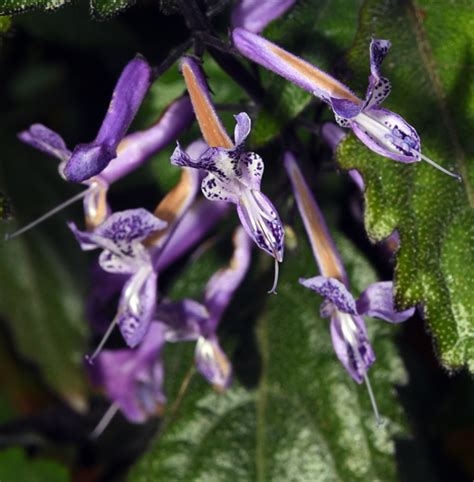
48,214
437,166
90,358
380,421
275,277
105,420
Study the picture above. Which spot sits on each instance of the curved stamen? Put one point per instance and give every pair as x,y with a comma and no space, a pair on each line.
275,277
48,214
437,166
380,421
104,421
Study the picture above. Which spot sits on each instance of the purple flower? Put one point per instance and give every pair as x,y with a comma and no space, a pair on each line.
132,151
348,331
255,15
133,379
189,320
381,130
233,174
121,238
88,160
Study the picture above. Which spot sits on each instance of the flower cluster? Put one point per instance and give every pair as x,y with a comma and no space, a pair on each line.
137,245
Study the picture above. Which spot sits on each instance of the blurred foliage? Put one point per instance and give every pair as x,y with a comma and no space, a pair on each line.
15,466
430,66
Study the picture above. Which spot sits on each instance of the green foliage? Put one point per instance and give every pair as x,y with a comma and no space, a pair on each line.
101,8
106,8
15,466
429,66
40,301
8,7
307,419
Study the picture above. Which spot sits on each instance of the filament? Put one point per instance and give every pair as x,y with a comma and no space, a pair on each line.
437,166
47,215
379,420
90,358
105,421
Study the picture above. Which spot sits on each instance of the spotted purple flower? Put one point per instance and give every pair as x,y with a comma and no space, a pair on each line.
189,320
381,130
348,331
233,174
121,239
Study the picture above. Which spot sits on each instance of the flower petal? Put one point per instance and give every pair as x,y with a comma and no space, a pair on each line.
183,320
137,305
138,147
289,66
350,342
379,87
260,219
222,285
334,291
125,227
44,139
134,378
216,190
255,15
193,226
322,244
213,363
88,160
387,134
377,301
251,168
212,129
242,128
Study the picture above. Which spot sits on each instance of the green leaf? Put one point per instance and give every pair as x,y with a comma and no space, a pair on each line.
15,466
307,419
107,8
40,300
8,7
431,72
317,30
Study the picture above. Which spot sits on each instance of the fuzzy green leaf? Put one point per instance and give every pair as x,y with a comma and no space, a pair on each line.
9,7
307,419
431,71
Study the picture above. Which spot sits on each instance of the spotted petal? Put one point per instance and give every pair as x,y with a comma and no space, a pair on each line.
350,342
137,305
377,301
251,168
216,190
334,291
387,134
261,222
